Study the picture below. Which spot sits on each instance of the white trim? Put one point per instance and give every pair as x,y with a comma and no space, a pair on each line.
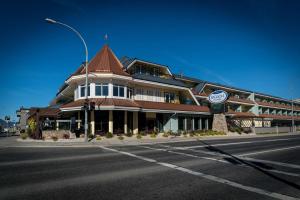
173,111
195,99
160,84
98,75
135,109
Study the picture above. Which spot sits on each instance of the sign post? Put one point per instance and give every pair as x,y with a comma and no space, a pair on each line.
217,100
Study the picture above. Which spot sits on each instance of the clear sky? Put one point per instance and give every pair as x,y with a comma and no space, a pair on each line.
249,44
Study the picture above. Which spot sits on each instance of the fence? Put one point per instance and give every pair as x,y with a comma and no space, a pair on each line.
274,129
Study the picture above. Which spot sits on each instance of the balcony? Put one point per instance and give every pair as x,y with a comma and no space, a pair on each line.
273,105
247,101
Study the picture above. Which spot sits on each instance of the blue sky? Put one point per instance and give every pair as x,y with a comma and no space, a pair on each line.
248,44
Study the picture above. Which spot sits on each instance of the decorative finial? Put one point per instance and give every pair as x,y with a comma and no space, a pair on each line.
106,38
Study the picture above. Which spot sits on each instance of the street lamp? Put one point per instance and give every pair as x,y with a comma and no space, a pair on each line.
51,21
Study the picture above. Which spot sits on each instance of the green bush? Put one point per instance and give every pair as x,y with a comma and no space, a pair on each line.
120,137
91,136
29,132
139,136
24,136
166,134
109,135
98,137
153,135
129,134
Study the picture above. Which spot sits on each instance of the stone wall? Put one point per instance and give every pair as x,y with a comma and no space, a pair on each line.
48,134
219,123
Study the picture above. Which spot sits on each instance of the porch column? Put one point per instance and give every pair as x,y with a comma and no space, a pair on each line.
125,121
78,123
57,125
135,123
111,122
193,123
185,124
206,123
93,122
200,123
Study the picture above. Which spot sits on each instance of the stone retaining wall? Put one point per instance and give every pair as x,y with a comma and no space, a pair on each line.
48,134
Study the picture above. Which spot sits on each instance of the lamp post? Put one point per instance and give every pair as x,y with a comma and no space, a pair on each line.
293,120
51,21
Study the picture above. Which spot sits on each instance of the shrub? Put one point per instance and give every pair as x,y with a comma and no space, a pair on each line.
143,133
24,136
165,134
139,136
54,138
91,136
153,135
129,134
29,132
121,137
109,135
66,136
98,137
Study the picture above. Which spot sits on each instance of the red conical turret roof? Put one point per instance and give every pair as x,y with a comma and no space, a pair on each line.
105,61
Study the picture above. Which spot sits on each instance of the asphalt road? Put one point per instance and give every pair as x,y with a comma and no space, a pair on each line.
253,168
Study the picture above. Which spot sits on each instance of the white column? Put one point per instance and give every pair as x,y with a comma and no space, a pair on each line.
200,124
206,123
185,124
92,89
78,123
125,121
93,122
111,122
135,123
57,125
193,123
110,90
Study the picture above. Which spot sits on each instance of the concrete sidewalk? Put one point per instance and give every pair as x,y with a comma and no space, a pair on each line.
15,141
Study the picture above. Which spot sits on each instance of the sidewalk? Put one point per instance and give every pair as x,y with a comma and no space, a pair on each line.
115,141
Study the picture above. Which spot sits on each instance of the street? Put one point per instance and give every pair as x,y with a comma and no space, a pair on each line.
243,168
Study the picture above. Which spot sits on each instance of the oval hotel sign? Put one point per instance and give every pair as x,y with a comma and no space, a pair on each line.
218,96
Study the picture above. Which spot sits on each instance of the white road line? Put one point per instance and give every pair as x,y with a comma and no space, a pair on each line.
186,154
271,162
270,150
206,176
227,162
232,143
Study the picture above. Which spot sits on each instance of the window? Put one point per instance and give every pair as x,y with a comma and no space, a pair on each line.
82,90
150,95
157,95
118,91
101,90
169,97
139,94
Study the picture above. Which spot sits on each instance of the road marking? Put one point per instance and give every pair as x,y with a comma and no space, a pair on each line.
206,176
270,150
232,143
227,162
186,154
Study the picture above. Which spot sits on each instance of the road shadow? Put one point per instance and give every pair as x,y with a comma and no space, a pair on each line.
261,167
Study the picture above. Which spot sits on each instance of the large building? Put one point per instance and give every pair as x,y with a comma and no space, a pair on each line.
133,95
